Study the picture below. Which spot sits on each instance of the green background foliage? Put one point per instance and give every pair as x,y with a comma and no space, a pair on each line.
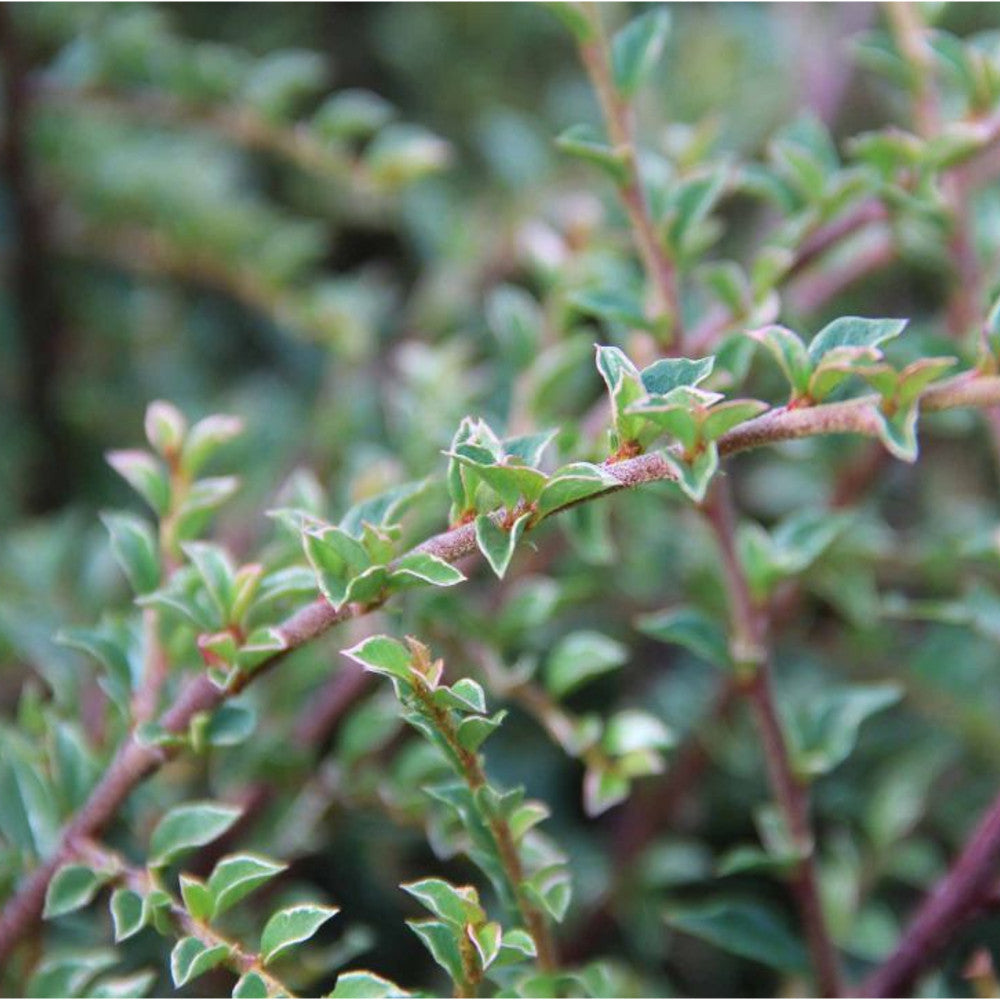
366,252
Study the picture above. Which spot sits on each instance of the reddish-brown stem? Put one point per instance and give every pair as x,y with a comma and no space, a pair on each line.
970,880
134,762
751,654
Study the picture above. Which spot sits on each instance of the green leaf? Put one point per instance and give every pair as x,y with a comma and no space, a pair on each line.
197,899
188,826
580,657
487,939
202,500
337,558
73,886
67,973
403,153
191,959
236,876
165,428
127,987
497,544
573,19
129,913
292,926
603,788
612,305
456,905
465,695
667,374
145,475
725,416
691,629
790,353
899,433
365,985
855,332
585,143
631,730
423,567
440,940
136,549
573,483
352,114
205,439
217,574
746,929
636,48
694,475
552,890
230,725
824,728
382,655
474,731
252,986
383,509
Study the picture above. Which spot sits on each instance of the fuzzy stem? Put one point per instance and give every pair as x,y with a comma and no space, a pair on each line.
143,882
474,776
751,653
134,762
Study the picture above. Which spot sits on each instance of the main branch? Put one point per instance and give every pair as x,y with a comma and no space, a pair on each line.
135,761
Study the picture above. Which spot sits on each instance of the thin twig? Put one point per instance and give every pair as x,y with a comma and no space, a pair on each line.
618,120
751,652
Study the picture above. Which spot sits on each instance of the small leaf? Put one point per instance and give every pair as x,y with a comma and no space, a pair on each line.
251,986
631,730
191,959
497,544
571,484
403,153
603,787
365,985
188,826
691,629
145,475
825,727
136,549
238,875
580,657
667,374
465,695
745,929
230,725
899,433
695,475
337,558
439,940
197,898
382,655
790,353
129,913
725,416
457,905
73,886
474,731
423,567
853,331
585,143
165,428
292,926
217,574
636,48
206,438
552,890
133,984
487,939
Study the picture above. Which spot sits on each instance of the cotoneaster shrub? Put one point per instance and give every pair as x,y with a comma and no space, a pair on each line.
452,665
